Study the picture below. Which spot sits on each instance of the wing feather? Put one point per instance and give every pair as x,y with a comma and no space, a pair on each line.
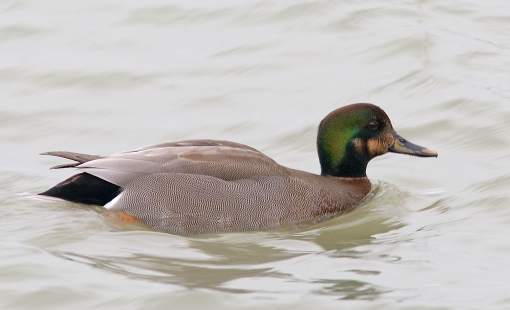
221,159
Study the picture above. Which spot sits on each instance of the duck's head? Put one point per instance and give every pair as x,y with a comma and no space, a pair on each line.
351,136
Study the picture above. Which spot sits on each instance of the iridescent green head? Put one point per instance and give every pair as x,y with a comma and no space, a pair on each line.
351,136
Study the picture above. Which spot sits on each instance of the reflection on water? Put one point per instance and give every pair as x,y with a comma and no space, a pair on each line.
100,77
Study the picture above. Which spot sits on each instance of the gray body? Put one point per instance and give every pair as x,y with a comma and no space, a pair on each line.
204,186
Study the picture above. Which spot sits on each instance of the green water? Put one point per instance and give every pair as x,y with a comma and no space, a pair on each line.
102,76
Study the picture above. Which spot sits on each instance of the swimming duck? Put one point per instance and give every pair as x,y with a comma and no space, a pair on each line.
205,186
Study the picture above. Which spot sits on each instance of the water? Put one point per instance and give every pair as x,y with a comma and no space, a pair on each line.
103,76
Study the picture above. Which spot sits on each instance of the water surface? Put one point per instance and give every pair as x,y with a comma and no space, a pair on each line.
104,76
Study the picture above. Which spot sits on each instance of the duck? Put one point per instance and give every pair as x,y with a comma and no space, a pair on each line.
214,186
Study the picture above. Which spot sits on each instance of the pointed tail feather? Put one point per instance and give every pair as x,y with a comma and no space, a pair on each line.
77,157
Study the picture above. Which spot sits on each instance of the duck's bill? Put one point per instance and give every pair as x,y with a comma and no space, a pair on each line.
403,146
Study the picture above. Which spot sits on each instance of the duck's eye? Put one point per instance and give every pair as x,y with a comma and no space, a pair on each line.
373,125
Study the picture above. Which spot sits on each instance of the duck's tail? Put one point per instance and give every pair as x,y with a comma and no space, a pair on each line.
82,187
79,158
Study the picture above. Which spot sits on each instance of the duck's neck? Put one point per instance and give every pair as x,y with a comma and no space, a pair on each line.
337,152
350,165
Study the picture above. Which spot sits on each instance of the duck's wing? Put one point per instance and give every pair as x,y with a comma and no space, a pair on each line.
200,142
80,158
100,178
222,159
